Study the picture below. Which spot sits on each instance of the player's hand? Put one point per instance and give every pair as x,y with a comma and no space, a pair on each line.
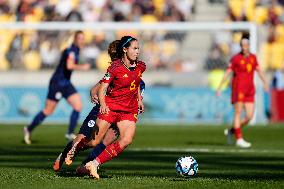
266,87
218,93
104,109
140,107
95,99
85,66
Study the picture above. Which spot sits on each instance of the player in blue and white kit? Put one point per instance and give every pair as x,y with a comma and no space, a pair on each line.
61,86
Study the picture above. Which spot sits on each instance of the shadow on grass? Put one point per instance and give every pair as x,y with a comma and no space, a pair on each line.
155,163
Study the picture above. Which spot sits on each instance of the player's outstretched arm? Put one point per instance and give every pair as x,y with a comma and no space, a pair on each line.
94,93
263,79
225,77
140,102
72,66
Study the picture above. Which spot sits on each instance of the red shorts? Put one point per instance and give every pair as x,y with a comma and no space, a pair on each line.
114,117
242,97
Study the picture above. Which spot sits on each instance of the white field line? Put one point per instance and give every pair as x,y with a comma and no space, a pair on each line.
209,150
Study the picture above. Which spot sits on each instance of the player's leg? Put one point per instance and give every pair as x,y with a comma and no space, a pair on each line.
235,130
99,132
49,108
249,109
60,159
240,142
75,101
110,136
127,130
238,106
85,131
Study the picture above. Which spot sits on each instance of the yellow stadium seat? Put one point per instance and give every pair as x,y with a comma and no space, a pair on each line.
272,55
250,9
159,6
32,60
4,64
280,33
236,6
148,18
103,61
89,35
261,15
169,47
277,58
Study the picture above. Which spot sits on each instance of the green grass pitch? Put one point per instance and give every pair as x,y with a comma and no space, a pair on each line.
150,161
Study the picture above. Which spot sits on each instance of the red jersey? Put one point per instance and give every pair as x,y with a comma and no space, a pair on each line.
243,78
122,94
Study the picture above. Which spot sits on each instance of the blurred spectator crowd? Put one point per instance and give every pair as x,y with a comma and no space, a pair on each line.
35,50
269,14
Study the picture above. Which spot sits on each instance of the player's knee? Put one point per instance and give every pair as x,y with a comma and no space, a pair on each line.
78,107
47,111
250,116
125,142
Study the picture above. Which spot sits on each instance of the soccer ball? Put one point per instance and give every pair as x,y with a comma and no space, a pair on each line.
186,166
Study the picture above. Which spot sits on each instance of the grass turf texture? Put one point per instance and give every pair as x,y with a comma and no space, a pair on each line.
150,161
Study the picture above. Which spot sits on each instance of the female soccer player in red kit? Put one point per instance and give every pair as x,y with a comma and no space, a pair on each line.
118,105
243,66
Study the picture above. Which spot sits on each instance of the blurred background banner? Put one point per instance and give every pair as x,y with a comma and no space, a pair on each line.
163,104
186,105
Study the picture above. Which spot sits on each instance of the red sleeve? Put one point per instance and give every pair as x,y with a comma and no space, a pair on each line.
142,66
232,63
109,75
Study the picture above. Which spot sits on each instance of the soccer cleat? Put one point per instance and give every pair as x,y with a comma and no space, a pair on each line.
82,170
228,133
27,136
70,136
93,167
242,143
58,163
70,155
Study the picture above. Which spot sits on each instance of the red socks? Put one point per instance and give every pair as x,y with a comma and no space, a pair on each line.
109,153
238,133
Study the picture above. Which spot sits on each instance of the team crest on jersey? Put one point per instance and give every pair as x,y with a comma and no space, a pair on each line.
242,61
107,76
91,123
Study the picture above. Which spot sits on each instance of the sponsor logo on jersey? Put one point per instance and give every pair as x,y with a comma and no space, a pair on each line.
242,61
125,75
91,123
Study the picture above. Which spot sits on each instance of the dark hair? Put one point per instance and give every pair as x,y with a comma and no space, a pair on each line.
78,32
112,50
125,41
245,36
